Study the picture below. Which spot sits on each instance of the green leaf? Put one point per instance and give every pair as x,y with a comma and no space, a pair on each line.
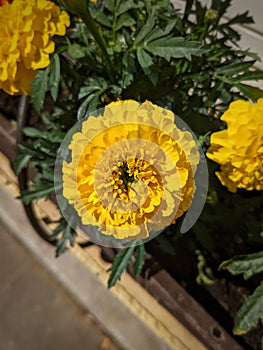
29,195
58,229
188,8
87,90
89,104
109,4
77,51
159,33
146,29
234,68
250,313
248,265
54,77
39,89
174,48
21,162
144,59
125,20
242,18
250,91
127,5
255,75
139,259
32,132
100,17
68,235
120,264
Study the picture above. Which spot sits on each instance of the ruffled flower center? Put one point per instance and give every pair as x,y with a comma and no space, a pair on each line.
127,172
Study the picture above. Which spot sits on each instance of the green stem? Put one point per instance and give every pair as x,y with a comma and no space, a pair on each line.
90,23
204,32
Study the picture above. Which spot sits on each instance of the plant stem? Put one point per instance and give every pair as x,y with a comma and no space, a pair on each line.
90,23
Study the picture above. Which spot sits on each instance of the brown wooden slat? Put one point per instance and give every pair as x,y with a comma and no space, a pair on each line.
187,310
7,139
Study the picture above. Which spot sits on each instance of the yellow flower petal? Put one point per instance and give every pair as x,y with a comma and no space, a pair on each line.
239,148
25,41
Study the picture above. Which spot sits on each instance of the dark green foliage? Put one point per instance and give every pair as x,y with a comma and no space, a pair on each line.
120,263
139,259
46,80
250,313
248,265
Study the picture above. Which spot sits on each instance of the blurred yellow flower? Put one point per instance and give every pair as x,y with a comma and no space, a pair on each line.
131,170
239,148
25,41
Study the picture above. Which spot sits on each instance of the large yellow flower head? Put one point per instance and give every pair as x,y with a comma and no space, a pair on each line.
25,41
239,148
131,170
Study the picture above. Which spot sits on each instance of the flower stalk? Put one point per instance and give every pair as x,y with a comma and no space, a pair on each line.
80,8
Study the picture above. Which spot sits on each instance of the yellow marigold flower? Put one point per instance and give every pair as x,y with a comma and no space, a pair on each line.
131,170
25,41
239,148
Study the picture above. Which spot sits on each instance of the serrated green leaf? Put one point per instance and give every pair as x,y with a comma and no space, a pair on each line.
234,68
251,91
144,59
188,8
87,90
54,77
120,264
89,104
250,313
127,5
248,265
100,17
28,149
68,235
125,20
159,33
242,18
255,75
42,192
145,30
21,162
139,259
174,48
109,4
39,89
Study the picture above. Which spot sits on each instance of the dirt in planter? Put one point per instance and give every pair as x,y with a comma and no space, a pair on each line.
8,105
